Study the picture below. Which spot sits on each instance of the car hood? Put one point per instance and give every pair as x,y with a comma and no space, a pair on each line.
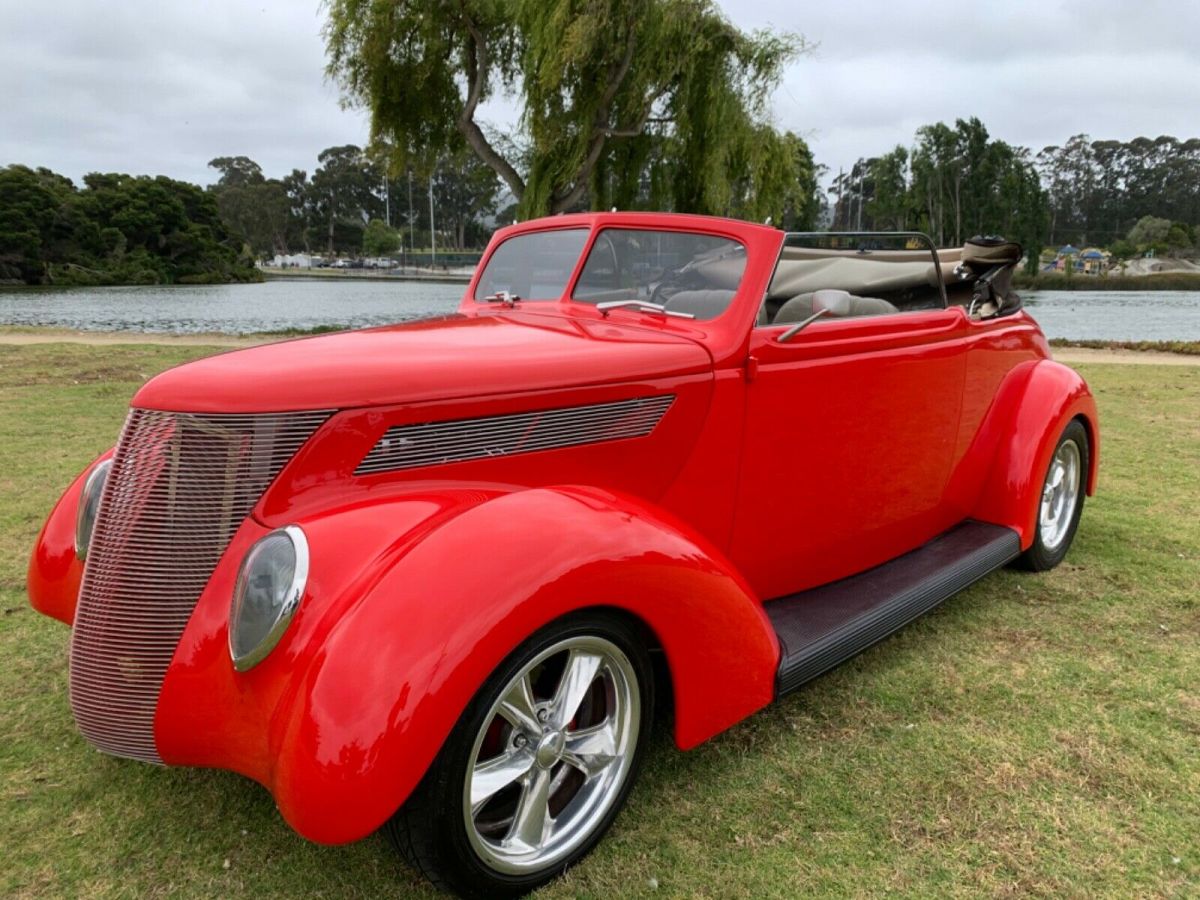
453,357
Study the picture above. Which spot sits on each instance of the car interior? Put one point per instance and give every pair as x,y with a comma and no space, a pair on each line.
857,275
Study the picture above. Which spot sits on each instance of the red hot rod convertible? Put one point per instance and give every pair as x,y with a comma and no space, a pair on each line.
436,576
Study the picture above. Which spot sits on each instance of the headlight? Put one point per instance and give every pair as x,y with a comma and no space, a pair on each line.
89,503
266,595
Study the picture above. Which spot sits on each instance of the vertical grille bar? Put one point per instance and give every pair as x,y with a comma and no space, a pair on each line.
180,485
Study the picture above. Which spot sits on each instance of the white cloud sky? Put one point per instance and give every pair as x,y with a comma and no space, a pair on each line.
162,87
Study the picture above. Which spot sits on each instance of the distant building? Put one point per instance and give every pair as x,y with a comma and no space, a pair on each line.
295,261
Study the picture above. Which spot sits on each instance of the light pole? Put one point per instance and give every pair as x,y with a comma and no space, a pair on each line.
432,231
412,239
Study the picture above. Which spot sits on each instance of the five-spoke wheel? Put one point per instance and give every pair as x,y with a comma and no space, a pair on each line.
1061,500
538,765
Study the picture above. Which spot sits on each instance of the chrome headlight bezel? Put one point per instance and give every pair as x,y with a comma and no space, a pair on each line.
289,597
89,506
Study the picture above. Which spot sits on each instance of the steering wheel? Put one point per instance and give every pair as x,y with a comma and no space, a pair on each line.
674,280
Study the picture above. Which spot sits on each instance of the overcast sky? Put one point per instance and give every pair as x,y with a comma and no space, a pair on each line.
162,87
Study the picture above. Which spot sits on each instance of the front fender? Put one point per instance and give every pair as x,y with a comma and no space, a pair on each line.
413,604
1033,407
55,572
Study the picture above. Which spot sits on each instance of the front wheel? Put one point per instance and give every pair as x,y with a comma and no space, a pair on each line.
1061,502
538,765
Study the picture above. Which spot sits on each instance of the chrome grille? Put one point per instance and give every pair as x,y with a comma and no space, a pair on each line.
438,443
180,486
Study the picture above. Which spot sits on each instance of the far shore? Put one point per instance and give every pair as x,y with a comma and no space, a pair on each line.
452,276
1162,353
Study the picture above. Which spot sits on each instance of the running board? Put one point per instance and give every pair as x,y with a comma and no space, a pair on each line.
825,626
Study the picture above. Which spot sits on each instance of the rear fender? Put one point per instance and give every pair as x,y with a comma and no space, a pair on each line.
378,674
1034,405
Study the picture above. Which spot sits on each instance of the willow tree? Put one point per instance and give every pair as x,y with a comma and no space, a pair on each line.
600,86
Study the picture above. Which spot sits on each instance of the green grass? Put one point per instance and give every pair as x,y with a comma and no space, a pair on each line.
1038,735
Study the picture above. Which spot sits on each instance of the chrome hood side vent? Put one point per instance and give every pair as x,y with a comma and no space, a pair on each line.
181,484
438,443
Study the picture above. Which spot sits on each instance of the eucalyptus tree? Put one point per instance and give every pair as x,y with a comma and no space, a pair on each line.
605,90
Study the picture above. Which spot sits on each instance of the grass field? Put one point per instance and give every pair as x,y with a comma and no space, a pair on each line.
1038,735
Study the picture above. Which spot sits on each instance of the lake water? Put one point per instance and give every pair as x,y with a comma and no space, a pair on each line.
303,303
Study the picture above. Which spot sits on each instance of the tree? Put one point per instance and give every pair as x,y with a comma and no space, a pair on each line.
465,191
1179,238
891,204
117,229
631,80
379,239
1149,232
251,206
237,171
342,191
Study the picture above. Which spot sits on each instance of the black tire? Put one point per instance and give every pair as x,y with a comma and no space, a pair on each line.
431,829
1045,553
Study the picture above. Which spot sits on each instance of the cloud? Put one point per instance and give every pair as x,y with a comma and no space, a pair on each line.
1034,72
162,87
165,87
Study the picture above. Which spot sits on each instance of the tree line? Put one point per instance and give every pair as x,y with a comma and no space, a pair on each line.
956,181
115,229
352,204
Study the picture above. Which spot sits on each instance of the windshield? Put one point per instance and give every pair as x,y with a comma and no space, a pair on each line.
692,273
533,266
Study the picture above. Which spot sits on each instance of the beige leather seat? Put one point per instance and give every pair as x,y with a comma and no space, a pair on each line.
703,304
802,306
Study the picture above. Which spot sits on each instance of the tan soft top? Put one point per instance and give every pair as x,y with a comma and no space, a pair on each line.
805,269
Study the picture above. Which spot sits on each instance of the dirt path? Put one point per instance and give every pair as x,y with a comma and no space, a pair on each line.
1070,355
1074,355
107,338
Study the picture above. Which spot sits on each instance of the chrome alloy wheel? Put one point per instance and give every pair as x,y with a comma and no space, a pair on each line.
1060,495
552,755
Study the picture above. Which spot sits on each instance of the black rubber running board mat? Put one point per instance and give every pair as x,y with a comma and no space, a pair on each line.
823,627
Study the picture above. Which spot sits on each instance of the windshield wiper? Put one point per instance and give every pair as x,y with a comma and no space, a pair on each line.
642,306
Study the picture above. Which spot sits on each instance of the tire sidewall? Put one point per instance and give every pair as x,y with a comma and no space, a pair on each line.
446,779
1039,557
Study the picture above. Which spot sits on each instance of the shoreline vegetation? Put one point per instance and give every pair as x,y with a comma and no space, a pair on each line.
1159,281
114,230
447,277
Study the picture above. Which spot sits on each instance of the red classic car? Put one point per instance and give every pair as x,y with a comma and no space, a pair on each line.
437,576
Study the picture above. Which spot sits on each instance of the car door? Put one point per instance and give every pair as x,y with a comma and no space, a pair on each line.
850,434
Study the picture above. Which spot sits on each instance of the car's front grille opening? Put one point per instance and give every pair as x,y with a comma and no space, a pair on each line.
181,484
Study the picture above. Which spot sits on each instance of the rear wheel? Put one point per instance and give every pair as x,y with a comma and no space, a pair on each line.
538,765
1061,501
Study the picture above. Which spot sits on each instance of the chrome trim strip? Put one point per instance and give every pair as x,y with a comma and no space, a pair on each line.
461,440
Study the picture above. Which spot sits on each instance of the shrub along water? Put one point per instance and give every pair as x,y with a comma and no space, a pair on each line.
1057,281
